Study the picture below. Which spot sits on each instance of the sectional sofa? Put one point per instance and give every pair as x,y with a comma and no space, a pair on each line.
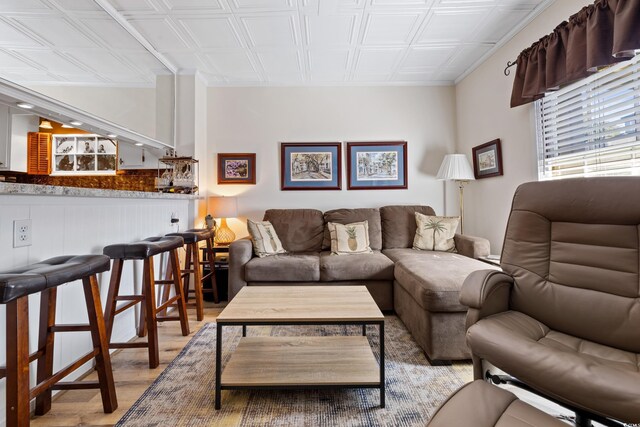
422,287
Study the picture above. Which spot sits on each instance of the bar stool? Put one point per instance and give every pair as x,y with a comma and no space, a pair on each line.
15,287
192,266
145,250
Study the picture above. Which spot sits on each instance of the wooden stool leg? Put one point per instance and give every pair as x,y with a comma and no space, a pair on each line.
45,344
150,312
142,322
17,385
197,282
100,342
166,290
187,266
177,280
114,290
212,269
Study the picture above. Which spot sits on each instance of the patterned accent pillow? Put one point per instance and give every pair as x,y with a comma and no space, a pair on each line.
264,238
435,233
349,239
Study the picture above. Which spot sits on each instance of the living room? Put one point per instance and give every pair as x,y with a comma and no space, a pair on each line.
297,130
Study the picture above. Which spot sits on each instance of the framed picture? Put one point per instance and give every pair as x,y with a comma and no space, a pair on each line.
310,166
377,165
487,159
236,168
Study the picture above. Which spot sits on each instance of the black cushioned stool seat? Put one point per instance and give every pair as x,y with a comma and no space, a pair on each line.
149,314
480,404
143,249
44,278
191,238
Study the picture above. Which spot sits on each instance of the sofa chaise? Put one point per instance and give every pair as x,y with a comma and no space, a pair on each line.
422,287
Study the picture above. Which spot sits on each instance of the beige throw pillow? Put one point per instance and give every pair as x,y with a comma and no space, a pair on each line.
435,233
349,239
264,238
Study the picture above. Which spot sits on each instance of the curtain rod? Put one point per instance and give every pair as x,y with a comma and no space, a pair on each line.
509,65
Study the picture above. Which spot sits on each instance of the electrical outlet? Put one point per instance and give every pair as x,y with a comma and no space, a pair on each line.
21,233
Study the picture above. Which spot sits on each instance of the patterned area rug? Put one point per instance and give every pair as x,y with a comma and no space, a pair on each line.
183,394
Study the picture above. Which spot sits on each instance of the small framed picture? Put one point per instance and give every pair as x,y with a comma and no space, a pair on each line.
377,165
310,166
236,168
487,159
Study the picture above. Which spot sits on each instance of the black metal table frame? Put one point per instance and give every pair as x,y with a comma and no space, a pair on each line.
220,387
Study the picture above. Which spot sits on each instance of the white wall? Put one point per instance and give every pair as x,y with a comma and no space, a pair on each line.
483,114
77,225
255,120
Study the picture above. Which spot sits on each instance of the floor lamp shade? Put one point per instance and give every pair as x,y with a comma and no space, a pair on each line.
223,208
456,167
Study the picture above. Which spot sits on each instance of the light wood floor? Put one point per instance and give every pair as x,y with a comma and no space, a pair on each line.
132,376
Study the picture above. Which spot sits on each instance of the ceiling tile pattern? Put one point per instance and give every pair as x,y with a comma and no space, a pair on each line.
71,42
263,42
255,42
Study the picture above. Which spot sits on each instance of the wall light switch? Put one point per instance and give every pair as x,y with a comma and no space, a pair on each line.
21,233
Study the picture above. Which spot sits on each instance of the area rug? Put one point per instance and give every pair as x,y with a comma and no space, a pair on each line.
183,394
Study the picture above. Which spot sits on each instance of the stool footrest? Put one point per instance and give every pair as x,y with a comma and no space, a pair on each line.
128,345
125,307
164,282
130,298
167,318
169,302
70,328
76,385
38,389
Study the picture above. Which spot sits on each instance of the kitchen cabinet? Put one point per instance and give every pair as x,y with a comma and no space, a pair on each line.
130,156
14,127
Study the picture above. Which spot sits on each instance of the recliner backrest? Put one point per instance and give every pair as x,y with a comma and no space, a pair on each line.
573,247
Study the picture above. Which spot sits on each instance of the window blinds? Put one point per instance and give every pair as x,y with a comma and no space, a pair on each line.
592,127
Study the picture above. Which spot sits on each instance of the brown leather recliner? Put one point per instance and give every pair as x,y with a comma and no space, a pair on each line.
564,316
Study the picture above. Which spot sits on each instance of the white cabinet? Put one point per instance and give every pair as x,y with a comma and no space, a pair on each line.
4,137
130,156
14,127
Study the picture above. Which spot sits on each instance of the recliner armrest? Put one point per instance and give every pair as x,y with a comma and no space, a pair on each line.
472,246
485,292
240,253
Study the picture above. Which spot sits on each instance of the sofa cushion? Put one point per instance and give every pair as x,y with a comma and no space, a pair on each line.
265,238
399,225
374,266
284,267
349,239
347,216
299,230
435,233
434,279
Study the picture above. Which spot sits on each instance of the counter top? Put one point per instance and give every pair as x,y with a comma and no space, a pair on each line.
7,188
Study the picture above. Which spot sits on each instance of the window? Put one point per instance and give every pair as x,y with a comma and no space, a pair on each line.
84,155
592,127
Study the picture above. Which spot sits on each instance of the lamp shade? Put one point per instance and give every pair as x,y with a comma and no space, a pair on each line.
223,207
455,167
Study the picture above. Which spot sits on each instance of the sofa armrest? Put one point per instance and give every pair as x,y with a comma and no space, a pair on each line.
471,246
485,292
240,253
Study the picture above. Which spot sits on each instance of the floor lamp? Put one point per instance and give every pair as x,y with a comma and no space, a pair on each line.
456,167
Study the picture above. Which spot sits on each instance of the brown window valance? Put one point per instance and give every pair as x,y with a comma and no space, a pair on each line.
600,34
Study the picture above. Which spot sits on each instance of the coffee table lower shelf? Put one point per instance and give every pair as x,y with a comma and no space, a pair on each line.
302,362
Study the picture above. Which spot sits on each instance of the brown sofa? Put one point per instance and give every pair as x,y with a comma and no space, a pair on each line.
421,286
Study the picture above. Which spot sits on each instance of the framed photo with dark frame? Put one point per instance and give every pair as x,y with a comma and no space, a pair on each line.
487,159
310,166
377,165
236,168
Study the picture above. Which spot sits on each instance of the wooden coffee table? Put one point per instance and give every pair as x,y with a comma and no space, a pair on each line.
301,362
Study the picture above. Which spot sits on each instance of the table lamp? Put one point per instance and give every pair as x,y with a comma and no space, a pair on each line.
223,208
456,167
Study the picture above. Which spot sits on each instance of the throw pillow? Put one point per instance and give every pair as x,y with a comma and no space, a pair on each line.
349,238
264,238
435,233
